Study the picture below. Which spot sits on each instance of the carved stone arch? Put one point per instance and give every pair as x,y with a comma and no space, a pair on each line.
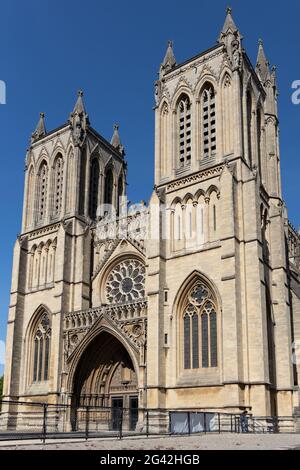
181,90
69,147
58,152
188,197
100,326
213,189
176,201
187,284
33,249
203,81
164,105
43,158
110,376
270,120
48,243
225,76
35,318
58,147
41,245
199,193
43,155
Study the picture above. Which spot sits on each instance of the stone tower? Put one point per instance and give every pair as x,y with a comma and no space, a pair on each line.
189,303
219,301
71,173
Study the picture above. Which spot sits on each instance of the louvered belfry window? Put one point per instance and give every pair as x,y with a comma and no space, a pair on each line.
209,122
185,131
58,185
94,188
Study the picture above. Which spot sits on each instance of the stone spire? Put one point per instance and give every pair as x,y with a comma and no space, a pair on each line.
262,64
231,37
229,25
115,140
40,130
169,61
79,120
79,106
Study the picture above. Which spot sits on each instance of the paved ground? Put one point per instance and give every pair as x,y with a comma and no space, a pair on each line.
203,442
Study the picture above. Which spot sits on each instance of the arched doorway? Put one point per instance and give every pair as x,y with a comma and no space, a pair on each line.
105,379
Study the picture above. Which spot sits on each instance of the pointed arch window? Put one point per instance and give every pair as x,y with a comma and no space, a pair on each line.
258,130
58,185
30,197
108,188
209,133
249,127
200,335
120,194
41,349
42,191
94,188
184,130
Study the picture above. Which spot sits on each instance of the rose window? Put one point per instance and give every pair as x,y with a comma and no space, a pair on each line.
126,282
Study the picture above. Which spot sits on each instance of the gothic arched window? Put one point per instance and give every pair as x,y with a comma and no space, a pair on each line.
30,197
41,349
249,127
200,336
58,185
42,191
120,193
184,130
209,134
108,188
258,130
94,188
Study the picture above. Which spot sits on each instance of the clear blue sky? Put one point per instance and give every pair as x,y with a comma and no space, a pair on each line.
112,50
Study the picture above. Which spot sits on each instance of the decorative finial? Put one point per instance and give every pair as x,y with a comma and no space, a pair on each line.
80,93
116,127
260,42
228,10
170,43
42,115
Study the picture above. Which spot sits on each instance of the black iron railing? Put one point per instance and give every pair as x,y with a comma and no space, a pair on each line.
29,420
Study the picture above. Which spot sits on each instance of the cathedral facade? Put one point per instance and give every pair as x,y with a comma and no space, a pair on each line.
189,302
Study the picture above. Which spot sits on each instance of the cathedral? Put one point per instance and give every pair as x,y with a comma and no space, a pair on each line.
188,302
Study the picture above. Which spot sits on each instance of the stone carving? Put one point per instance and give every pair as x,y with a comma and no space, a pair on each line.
157,92
189,180
128,319
236,56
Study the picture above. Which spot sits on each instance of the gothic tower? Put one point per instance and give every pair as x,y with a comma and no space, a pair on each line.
72,176
217,295
190,303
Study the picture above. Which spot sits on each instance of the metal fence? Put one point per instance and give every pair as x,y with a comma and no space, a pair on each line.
27,420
